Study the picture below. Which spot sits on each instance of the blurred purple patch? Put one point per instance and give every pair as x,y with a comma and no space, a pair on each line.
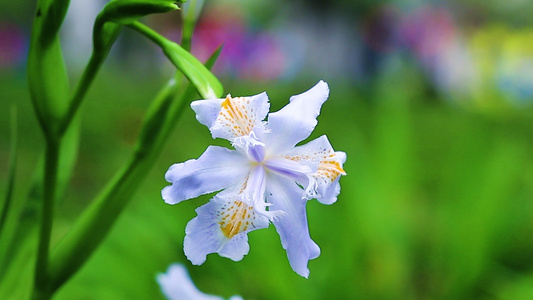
13,46
250,54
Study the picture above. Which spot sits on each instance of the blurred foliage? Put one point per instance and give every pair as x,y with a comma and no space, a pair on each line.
436,204
470,11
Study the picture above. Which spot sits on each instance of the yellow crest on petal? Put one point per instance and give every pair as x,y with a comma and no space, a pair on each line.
236,217
330,168
237,116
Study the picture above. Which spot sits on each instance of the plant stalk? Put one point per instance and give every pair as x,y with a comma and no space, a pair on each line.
41,285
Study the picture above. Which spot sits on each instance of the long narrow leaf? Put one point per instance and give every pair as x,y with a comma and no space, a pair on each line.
17,246
47,75
98,219
190,13
205,82
7,212
10,175
107,27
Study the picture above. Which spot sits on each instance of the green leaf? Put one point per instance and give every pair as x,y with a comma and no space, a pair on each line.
205,82
190,13
98,219
18,274
49,17
165,111
47,75
107,27
127,11
213,58
7,212
17,246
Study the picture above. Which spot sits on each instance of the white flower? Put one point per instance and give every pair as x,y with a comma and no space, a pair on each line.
176,284
266,178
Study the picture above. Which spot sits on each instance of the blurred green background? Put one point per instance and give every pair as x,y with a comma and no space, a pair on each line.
432,102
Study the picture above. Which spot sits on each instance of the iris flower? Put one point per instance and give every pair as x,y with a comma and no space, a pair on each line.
266,178
176,284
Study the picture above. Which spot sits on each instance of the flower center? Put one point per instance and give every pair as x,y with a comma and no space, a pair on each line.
251,146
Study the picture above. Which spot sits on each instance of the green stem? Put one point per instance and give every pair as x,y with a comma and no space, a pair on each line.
105,35
41,288
186,35
96,222
85,82
190,12
48,85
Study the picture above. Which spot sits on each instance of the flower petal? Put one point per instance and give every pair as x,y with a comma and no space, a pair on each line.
329,162
221,227
231,118
253,191
295,170
176,284
286,196
207,110
216,169
295,122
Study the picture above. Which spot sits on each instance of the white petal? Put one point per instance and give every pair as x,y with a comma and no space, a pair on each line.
296,170
207,110
329,163
231,118
254,190
216,169
285,195
295,122
221,227
176,284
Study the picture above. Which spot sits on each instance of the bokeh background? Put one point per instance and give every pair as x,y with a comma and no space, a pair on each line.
431,100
